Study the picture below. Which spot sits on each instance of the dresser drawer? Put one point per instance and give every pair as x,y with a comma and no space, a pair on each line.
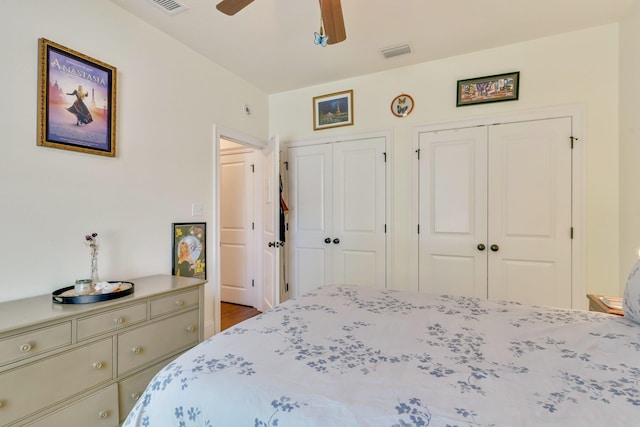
156,340
34,342
111,320
130,389
30,387
97,410
174,302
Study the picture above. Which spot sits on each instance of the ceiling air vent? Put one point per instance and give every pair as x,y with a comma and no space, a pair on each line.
401,49
172,7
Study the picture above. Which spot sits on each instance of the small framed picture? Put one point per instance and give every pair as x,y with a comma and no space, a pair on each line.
76,101
402,105
333,110
189,249
480,90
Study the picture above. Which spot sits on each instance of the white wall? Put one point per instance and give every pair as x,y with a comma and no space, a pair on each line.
168,99
629,142
573,68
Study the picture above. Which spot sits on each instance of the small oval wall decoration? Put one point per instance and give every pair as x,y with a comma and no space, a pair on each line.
402,105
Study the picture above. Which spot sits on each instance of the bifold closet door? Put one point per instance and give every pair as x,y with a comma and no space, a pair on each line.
337,214
453,212
310,217
359,195
529,217
495,212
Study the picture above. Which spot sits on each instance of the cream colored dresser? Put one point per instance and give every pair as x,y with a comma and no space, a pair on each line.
86,364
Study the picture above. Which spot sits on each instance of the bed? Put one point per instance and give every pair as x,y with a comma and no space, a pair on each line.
359,356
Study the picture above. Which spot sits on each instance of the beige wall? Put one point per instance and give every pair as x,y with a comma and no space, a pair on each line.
629,142
573,68
168,99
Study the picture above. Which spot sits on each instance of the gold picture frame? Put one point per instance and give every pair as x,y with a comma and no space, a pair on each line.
333,110
76,101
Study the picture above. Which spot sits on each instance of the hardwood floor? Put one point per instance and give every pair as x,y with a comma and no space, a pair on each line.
231,314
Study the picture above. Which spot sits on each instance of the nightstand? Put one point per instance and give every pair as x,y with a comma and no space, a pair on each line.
596,304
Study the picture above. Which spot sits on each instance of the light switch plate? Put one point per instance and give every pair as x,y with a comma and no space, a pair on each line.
196,209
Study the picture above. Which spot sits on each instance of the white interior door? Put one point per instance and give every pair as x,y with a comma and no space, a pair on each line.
310,217
271,225
236,230
530,212
495,212
359,195
337,202
453,212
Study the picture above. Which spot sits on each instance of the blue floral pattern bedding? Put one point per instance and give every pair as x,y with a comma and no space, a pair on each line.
358,356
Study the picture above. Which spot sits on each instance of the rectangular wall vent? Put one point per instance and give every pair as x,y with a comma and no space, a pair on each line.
172,7
390,52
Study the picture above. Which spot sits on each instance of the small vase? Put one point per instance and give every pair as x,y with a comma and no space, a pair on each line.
94,271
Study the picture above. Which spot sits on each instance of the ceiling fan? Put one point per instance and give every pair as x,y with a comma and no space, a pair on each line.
332,22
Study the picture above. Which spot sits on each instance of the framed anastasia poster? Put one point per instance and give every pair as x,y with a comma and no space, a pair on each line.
189,249
76,101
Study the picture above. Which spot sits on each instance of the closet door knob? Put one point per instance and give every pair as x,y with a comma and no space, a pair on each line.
327,240
336,241
495,248
481,247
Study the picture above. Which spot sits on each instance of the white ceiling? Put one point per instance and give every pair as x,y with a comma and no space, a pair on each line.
271,42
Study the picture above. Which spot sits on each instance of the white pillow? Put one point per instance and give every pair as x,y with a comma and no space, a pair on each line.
631,300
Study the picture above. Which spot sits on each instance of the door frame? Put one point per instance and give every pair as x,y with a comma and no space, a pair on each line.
257,144
577,113
387,134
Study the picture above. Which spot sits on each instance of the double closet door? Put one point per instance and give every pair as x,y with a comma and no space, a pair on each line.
337,196
495,212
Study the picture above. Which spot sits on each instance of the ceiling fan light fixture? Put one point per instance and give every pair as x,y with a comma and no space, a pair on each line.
393,51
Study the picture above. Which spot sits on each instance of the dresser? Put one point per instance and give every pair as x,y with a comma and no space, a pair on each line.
86,364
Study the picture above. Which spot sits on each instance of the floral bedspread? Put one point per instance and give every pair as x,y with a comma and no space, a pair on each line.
358,356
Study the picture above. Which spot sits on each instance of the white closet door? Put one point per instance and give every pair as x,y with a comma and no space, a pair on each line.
236,234
359,194
310,217
453,212
530,212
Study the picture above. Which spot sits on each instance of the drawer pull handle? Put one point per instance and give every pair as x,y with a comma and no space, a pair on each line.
25,348
135,397
179,303
119,321
136,350
191,328
103,414
97,365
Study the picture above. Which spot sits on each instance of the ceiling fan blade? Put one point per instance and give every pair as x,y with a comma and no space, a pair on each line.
331,11
231,7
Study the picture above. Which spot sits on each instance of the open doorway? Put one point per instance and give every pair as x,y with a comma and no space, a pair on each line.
266,256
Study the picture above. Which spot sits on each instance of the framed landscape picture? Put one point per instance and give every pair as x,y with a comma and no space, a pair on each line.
189,249
333,110
480,90
76,101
